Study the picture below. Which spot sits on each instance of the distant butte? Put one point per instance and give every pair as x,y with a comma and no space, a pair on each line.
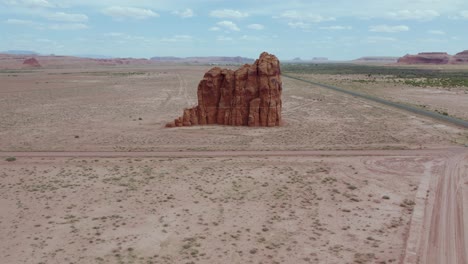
31,62
249,96
461,57
435,58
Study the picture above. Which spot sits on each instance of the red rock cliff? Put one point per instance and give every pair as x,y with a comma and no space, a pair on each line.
249,96
426,58
461,57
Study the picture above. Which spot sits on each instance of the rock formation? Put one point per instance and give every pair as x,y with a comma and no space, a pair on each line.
426,58
31,62
461,57
249,96
435,58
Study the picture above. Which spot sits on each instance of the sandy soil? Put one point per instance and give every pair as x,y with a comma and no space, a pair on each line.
126,109
339,209
219,194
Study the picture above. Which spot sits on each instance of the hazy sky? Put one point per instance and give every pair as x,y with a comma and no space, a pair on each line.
337,29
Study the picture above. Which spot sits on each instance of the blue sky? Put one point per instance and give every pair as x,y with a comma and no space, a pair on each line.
337,29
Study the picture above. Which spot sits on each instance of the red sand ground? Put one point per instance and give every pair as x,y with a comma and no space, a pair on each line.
201,201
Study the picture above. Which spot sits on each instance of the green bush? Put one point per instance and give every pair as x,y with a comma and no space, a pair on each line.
10,159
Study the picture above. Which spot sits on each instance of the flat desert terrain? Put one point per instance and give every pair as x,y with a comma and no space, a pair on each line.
98,179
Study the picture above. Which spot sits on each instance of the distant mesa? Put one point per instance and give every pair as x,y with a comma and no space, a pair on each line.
297,59
20,52
31,63
249,96
461,57
435,58
426,58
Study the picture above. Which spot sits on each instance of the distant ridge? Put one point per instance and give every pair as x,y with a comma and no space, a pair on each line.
204,60
376,59
93,56
19,52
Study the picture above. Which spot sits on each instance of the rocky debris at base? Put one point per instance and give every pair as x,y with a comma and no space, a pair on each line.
249,96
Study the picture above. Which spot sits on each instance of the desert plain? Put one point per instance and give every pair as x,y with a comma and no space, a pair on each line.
97,178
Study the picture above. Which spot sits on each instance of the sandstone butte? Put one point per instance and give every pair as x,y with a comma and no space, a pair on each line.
461,57
249,96
435,58
31,62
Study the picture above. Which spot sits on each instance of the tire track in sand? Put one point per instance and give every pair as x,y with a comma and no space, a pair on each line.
441,236
447,233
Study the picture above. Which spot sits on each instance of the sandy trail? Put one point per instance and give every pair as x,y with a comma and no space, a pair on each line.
265,153
447,233
438,227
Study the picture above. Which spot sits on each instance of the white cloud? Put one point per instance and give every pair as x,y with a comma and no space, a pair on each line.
389,29
124,38
433,40
337,28
300,25
61,16
380,39
120,12
464,13
114,34
215,28
228,13
256,26
414,14
436,32
184,13
30,3
224,38
72,26
228,25
13,21
44,40
251,38
43,26
178,38
293,15
26,23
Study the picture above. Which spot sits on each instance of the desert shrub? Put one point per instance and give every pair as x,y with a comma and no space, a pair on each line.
10,159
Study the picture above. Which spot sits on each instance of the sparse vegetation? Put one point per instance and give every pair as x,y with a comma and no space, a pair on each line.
410,76
443,77
10,159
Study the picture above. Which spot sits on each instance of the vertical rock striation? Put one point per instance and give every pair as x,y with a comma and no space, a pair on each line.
249,96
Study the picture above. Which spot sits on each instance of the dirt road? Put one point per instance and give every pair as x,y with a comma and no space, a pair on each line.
438,230
266,153
447,240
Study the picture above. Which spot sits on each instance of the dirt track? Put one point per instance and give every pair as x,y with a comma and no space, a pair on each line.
266,153
447,231
438,229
